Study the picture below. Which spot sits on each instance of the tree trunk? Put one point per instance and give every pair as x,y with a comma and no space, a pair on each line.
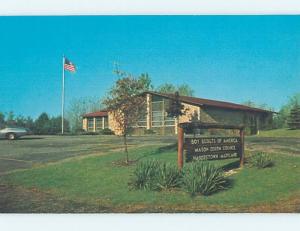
125,148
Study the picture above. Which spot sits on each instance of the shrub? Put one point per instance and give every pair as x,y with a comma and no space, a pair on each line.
261,160
149,132
202,177
144,175
107,131
155,175
90,133
168,176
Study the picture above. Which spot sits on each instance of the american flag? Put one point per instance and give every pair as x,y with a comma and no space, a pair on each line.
69,66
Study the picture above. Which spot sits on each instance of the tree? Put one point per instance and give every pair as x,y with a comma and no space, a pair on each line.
10,122
175,108
2,120
294,117
145,80
281,119
29,123
81,106
54,125
42,125
186,90
166,88
169,88
126,103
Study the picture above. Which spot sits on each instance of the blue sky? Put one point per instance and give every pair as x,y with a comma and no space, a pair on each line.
230,58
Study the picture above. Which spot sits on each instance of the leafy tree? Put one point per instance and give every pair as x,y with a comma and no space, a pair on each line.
281,119
166,88
126,103
42,125
20,121
2,120
295,99
294,117
54,125
175,108
28,123
169,88
78,107
49,126
10,122
185,89
145,80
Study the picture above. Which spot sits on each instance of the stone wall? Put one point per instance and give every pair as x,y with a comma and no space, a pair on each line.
84,124
190,111
224,116
113,125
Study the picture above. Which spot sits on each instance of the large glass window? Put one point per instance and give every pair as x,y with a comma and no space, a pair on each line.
98,123
142,122
90,124
159,114
105,122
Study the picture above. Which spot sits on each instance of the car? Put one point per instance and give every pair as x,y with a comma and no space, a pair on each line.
13,133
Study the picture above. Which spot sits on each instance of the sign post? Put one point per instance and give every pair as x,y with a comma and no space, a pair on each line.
180,147
210,148
242,147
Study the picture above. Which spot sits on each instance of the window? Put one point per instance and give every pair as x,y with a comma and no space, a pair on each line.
90,124
159,115
142,122
98,123
105,122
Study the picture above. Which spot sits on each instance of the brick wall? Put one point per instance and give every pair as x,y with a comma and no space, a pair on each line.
84,124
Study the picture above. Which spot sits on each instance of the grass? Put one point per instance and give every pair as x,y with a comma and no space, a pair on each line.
284,132
38,150
95,184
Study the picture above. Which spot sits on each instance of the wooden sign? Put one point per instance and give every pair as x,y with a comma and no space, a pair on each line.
212,148
207,148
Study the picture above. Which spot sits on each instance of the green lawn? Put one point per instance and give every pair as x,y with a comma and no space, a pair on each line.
96,183
284,132
33,151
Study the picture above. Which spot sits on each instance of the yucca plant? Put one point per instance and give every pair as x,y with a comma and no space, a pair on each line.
261,160
144,175
203,178
168,176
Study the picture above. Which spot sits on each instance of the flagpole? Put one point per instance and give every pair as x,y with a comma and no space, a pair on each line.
63,96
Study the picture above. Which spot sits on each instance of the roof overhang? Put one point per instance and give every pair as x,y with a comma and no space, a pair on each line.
212,103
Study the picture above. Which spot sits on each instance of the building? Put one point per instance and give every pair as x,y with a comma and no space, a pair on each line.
95,121
199,109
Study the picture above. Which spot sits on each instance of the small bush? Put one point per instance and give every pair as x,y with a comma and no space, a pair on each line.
202,177
90,133
168,176
107,131
261,160
149,132
144,175
155,175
